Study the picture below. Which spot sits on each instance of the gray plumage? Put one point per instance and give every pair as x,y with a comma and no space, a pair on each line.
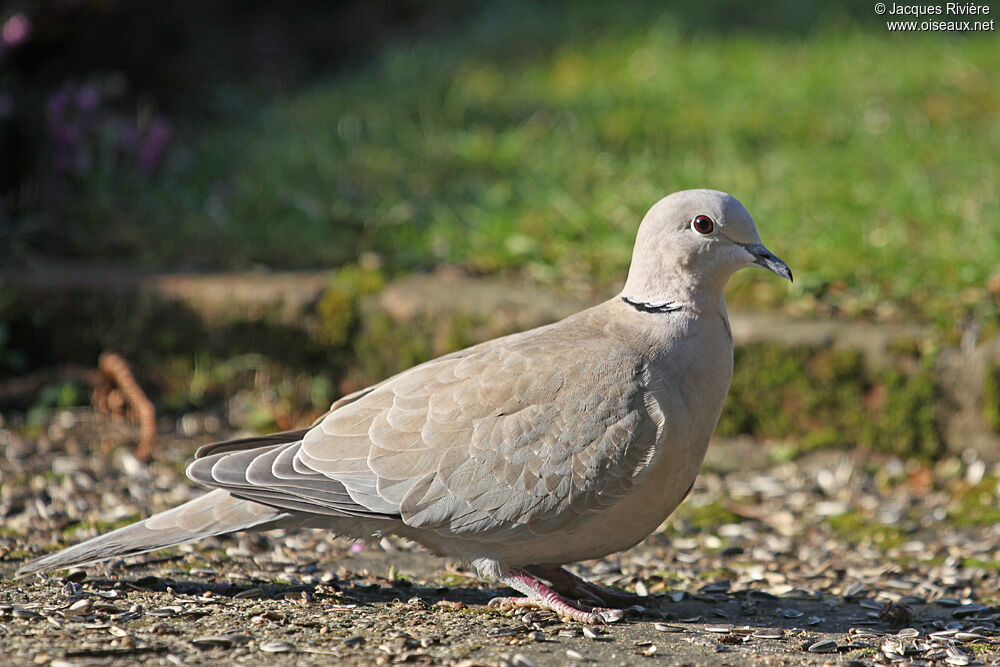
566,442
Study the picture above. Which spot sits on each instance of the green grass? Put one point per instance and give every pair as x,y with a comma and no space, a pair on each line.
527,140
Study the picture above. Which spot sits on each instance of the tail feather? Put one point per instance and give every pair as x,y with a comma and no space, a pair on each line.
214,513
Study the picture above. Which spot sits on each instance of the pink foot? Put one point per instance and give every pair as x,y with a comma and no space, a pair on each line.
540,596
566,583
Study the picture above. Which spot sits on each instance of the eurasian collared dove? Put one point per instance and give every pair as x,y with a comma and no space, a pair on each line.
563,443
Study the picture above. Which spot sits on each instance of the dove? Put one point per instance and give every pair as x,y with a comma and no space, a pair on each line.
516,456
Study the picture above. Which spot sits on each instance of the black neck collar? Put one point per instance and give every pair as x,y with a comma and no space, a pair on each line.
652,306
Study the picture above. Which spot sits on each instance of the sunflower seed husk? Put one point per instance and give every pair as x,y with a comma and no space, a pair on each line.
250,593
955,656
277,647
854,589
722,628
823,646
118,631
165,611
521,660
211,641
664,627
80,607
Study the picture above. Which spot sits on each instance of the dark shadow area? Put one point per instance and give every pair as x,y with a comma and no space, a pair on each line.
60,333
792,615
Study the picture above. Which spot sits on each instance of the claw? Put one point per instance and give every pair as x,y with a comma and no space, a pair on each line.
564,608
610,615
540,596
568,584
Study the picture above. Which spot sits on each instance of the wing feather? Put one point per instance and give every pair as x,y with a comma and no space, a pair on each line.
516,436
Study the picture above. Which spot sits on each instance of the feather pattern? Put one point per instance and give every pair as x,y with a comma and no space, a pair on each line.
493,441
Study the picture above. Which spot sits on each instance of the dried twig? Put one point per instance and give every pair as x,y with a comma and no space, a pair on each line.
118,392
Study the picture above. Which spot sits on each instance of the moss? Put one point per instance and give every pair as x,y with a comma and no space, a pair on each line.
975,505
53,478
453,580
197,564
856,528
717,574
979,564
665,576
99,527
477,610
991,398
980,648
706,516
338,307
24,554
862,653
821,397
383,347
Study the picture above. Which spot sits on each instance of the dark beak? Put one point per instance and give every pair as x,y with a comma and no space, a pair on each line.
764,258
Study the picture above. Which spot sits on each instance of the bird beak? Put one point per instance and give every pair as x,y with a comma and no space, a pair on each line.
764,258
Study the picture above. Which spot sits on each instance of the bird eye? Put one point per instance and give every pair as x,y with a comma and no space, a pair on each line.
703,224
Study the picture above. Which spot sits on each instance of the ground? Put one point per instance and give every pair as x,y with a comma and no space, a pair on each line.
832,558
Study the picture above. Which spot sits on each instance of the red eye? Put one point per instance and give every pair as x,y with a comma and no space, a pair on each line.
703,224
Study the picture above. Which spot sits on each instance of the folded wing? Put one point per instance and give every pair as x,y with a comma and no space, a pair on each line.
524,433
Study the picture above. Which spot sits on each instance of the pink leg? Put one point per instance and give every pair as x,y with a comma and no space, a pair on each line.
568,584
542,597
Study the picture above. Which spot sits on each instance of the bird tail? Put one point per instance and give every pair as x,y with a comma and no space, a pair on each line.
214,513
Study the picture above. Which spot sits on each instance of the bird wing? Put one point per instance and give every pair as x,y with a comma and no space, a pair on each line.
530,430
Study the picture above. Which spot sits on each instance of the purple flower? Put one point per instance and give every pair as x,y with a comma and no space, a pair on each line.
153,145
16,30
57,105
87,98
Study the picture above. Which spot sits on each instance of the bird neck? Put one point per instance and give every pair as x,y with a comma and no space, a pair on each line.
669,293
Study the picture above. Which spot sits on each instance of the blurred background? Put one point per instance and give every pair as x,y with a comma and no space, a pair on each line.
261,207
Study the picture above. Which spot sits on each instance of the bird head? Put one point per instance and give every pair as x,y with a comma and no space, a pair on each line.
692,242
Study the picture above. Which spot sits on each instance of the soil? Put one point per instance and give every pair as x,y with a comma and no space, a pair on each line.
836,558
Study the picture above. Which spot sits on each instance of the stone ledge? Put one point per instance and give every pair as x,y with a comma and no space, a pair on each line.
498,305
